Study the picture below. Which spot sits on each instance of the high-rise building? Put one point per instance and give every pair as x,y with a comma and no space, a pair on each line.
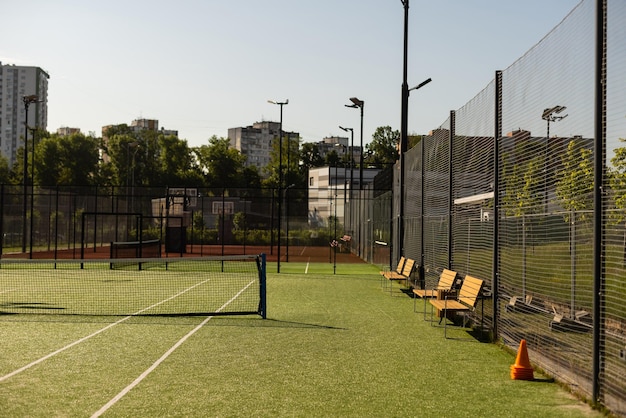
256,141
67,131
16,82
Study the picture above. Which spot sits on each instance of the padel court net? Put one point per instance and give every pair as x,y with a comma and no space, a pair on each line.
228,285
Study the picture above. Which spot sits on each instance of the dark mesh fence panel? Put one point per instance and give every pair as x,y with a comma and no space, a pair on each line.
436,201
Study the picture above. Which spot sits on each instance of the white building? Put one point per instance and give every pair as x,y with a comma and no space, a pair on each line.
16,82
329,191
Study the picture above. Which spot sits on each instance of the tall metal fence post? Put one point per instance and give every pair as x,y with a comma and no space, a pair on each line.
496,203
450,184
598,206
422,271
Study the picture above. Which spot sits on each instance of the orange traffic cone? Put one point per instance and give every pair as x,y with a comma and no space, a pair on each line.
522,370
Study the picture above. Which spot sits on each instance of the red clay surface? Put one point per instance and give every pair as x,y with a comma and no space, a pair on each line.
296,253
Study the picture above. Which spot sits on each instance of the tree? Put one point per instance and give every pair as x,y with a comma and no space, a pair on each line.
617,176
310,156
291,158
176,165
383,150
574,188
251,177
5,171
413,140
332,159
67,160
222,165
523,191
118,149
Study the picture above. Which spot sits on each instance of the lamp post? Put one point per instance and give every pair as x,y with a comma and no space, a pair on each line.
549,115
404,139
32,193
131,171
351,154
359,104
28,100
280,172
342,160
334,241
351,168
287,220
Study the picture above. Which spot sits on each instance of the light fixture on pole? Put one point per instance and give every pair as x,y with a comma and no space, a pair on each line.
404,139
286,198
280,172
351,154
360,104
549,114
28,100
351,174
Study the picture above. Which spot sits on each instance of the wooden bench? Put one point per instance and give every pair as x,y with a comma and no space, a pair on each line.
465,301
398,270
447,278
407,269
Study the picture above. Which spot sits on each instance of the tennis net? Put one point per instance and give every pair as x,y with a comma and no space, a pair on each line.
228,285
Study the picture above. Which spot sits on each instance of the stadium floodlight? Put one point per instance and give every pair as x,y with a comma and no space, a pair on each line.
550,113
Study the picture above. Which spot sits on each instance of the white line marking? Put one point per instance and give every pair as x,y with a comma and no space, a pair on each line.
162,359
60,350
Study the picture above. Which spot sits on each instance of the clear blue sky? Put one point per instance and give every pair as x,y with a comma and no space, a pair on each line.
203,66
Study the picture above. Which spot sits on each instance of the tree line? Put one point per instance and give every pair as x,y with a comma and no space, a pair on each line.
152,158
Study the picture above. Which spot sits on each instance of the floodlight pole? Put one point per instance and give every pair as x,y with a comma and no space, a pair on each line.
404,136
28,100
549,115
360,104
351,166
280,173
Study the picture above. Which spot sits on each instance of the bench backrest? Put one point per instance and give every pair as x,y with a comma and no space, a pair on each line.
400,266
408,267
470,290
446,280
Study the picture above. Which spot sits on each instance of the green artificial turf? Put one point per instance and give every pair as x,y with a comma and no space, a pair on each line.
334,345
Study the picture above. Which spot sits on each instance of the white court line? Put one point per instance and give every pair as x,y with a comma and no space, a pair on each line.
306,269
162,359
60,350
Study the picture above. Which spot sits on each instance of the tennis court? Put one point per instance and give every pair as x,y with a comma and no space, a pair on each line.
333,344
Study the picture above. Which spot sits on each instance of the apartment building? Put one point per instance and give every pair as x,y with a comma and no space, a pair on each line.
67,131
17,82
256,141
